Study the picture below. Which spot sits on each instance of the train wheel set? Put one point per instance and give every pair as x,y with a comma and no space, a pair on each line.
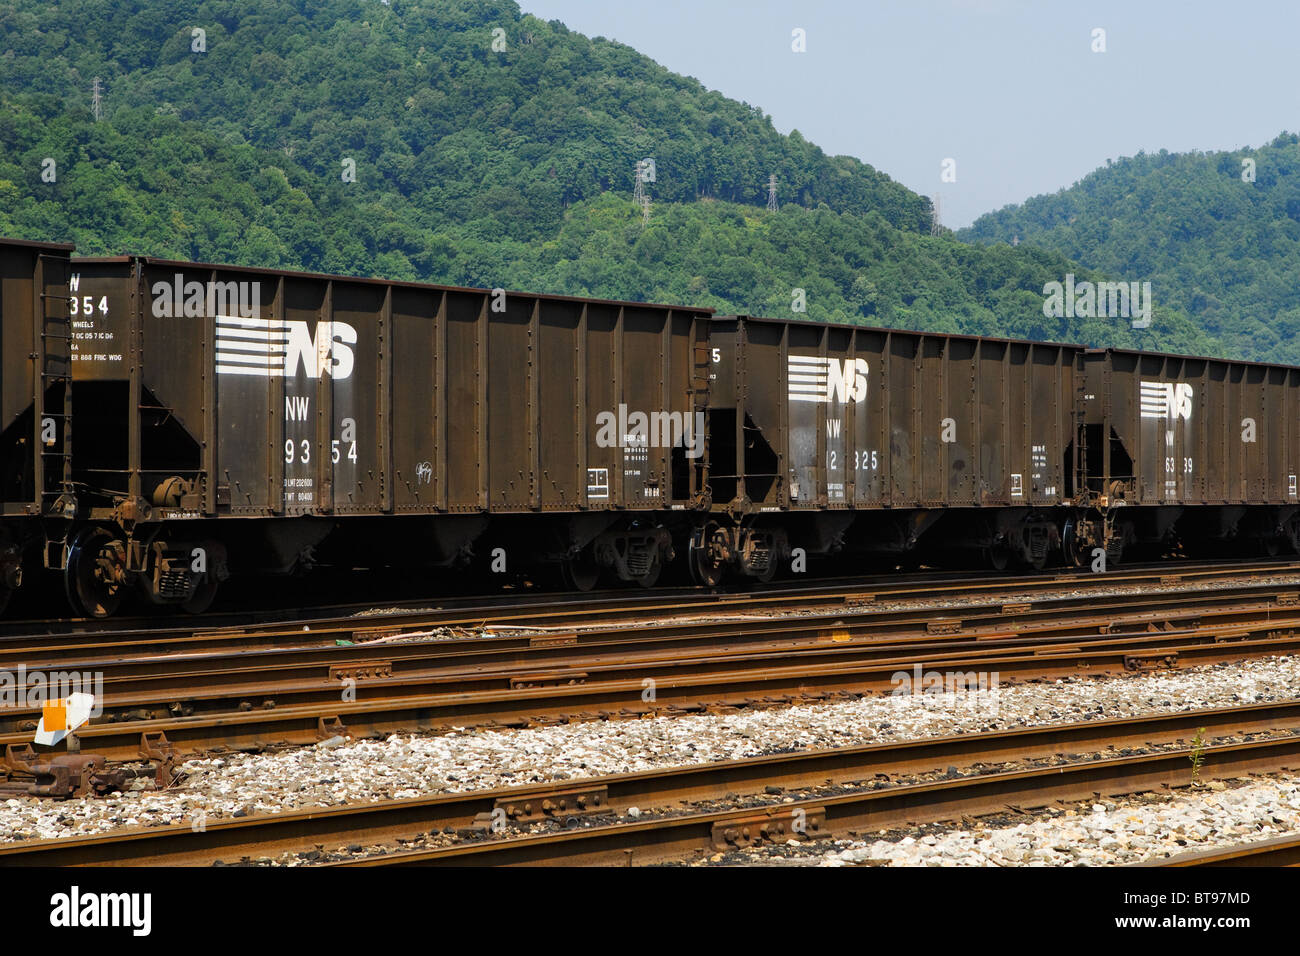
164,425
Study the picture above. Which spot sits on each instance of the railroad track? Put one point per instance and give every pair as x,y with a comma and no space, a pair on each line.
358,621
686,626
255,702
1279,851
834,791
274,686
685,622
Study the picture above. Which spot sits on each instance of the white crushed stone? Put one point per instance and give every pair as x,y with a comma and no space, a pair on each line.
1107,834
407,766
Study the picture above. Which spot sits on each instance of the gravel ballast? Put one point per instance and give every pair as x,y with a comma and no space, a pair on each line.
406,766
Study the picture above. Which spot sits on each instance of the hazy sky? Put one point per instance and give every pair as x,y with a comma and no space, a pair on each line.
1009,89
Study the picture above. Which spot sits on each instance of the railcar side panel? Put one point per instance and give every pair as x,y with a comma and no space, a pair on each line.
349,420
870,455
964,462
556,407
35,356
1049,416
418,419
510,368
904,446
1186,431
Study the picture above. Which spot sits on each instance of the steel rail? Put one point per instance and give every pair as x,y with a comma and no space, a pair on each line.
441,701
676,837
568,609
389,820
1278,851
213,684
685,630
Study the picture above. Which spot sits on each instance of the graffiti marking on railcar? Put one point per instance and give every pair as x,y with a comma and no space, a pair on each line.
818,378
424,473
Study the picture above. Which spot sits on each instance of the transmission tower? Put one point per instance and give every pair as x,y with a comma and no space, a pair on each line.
96,101
935,212
771,193
639,194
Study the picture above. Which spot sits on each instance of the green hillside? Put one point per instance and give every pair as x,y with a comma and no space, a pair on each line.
1216,247
474,166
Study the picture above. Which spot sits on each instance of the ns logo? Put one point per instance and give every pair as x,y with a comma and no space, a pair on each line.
817,378
1165,400
272,348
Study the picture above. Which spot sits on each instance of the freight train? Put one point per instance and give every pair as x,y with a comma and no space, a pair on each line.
167,424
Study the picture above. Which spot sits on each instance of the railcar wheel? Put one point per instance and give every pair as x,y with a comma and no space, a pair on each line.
651,577
1070,546
705,570
203,595
580,573
767,574
998,556
94,575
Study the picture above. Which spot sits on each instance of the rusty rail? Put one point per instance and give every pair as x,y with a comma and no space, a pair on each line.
662,838
1148,631
341,622
1279,851
388,706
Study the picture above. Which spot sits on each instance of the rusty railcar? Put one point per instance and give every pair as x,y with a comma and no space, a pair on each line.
369,421
35,404
1199,452
878,441
231,418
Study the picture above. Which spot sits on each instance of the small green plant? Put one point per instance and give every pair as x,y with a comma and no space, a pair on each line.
1198,756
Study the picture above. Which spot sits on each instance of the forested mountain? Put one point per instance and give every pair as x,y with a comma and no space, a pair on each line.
1216,234
474,165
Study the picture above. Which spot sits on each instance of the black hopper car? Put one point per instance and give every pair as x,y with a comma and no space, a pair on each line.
167,424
